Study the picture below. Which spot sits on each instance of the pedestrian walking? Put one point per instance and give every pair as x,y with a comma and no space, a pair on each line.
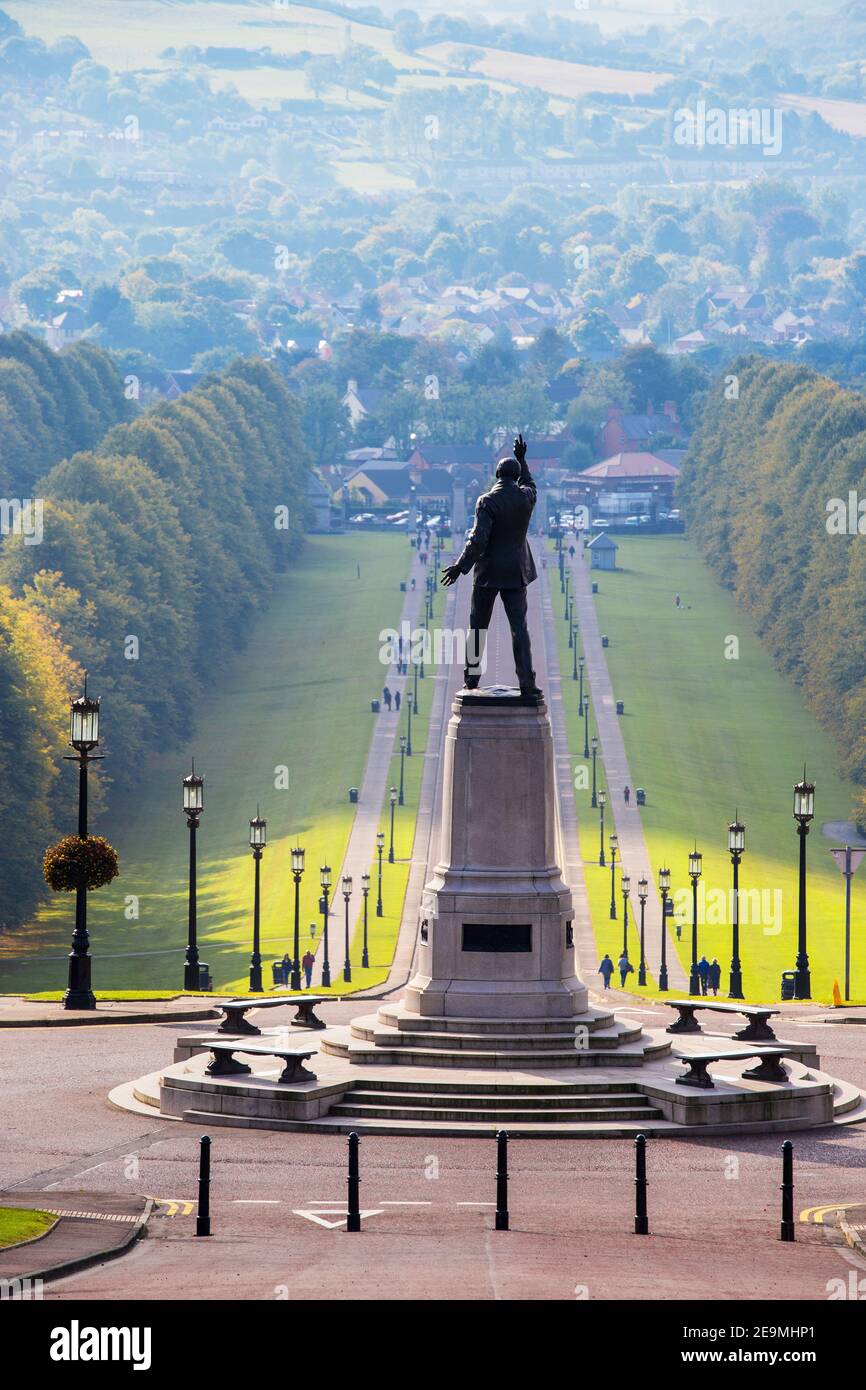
605,970
715,975
571,551
626,791
386,696
625,968
704,973
397,701
677,603
413,584
308,962
287,969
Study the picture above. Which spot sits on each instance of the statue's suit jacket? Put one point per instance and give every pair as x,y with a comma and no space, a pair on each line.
497,545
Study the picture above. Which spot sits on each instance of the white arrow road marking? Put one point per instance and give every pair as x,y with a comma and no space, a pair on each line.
319,1217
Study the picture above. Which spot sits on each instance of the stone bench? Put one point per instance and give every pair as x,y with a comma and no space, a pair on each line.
225,1064
756,1030
769,1067
235,1010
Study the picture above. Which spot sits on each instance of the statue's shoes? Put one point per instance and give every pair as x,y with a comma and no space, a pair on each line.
531,690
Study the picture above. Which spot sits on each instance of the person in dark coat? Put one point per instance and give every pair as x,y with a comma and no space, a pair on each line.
704,973
386,696
715,975
308,962
605,970
498,551
397,698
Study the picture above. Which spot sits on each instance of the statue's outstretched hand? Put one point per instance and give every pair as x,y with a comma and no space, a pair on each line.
450,575
520,449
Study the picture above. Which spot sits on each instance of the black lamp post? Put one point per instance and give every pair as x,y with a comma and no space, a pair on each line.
567,583
664,889
736,845
602,802
325,880
402,759
642,889
570,631
804,810
380,845
614,843
409,731
297,871
580,700
695,861
413,709
586,726
574,653
594,756
83,737
258,840
193,805
392,797
347,893
625,888
365,889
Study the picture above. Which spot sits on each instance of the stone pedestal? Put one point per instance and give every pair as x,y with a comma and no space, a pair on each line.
495,938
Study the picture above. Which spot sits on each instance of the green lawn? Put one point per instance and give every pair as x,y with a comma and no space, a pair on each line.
298,696
708,736
17,1224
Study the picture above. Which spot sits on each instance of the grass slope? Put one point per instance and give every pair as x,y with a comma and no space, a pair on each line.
17,1224
298,696
707,736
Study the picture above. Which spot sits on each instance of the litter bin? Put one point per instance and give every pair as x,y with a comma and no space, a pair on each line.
789,979
620,707
353,795
605,641
204,976
374,706
595,588
669,907
640,796
279,973
402,586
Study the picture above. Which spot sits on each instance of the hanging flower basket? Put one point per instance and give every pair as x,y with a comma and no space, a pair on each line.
74,863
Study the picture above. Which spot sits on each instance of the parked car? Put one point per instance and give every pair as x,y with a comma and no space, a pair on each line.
361,518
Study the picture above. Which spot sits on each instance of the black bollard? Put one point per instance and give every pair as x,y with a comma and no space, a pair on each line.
353,1218
641,1220
502,1180
202,1220
787,1231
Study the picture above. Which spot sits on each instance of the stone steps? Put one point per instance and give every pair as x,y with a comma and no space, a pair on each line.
563,1040
501,1117
394,1016
595,1129
372,1054
495,1098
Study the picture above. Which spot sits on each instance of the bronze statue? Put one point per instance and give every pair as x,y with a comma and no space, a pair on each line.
498,550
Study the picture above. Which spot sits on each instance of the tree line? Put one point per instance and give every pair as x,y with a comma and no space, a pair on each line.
161,536
772,493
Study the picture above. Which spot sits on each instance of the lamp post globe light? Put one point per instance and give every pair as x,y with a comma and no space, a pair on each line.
380,846
365,889
258,840
602,802
297,872
392,797
642,890
193,806
402,760
614,843
325,880
625,889
736,845
84,738
804,811
347,893
695,862
664,889
594,756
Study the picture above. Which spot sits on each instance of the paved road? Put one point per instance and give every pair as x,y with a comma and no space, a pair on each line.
570,1202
